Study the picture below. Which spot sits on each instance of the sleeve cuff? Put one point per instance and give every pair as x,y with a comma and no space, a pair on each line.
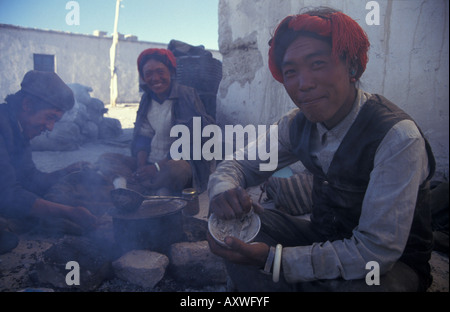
297,265
20,206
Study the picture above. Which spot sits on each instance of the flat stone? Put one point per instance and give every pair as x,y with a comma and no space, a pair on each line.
141,267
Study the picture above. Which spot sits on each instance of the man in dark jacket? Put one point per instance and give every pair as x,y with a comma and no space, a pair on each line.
41,102
151,169
370,224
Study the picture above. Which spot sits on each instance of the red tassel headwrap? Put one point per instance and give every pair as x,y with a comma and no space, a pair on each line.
347,38
167,54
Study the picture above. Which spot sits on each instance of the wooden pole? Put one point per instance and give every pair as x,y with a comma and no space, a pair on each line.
112,56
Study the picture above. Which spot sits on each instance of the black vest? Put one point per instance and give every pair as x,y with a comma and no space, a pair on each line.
338,195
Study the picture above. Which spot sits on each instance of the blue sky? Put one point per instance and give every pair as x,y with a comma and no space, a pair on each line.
192,21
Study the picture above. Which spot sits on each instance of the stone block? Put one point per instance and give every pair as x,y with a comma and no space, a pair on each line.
141,267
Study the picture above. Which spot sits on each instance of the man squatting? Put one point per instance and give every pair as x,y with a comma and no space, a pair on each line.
371,166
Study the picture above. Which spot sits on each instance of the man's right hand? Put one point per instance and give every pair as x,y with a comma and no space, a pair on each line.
83,217
233,203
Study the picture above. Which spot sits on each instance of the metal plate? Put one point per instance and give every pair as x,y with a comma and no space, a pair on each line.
245,228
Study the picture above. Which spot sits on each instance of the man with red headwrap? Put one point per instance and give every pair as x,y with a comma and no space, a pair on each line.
371,164
164,104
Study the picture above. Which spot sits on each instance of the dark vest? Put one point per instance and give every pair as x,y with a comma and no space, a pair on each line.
338,195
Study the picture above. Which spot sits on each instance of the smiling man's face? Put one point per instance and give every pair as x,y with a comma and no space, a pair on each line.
157,77
319,85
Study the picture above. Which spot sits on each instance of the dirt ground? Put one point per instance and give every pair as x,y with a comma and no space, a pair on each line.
15,266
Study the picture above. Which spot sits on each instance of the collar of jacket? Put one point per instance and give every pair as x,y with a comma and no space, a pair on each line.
14,121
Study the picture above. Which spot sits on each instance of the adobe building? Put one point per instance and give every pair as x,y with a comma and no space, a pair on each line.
76,58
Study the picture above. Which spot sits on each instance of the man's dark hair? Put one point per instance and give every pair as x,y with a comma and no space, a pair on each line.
16,100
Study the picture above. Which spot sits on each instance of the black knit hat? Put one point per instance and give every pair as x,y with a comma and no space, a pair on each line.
48,87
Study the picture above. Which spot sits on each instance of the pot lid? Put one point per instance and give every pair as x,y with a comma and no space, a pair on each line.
151,208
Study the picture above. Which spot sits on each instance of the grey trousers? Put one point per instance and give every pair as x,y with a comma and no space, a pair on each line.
277,227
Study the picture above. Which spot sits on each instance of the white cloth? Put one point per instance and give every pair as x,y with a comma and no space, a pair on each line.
159,119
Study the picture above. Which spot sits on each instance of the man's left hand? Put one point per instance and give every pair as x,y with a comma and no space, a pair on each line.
240,252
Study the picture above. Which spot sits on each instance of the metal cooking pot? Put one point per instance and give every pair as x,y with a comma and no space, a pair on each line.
155,225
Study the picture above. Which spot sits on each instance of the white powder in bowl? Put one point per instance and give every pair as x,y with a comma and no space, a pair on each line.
245,228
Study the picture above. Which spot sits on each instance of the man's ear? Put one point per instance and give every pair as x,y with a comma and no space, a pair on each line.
27,104
353,68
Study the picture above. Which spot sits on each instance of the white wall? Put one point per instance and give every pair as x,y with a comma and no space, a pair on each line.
79,58
408,61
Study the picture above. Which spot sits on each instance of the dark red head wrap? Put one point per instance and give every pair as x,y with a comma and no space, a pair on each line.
347,38
163,55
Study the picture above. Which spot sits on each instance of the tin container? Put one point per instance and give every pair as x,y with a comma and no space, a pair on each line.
192,202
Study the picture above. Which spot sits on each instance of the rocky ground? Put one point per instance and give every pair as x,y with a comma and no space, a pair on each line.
17,267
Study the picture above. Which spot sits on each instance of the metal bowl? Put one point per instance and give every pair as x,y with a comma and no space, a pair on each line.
245,228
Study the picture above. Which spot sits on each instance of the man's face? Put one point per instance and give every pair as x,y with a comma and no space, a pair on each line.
317,84
157,78
35,122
